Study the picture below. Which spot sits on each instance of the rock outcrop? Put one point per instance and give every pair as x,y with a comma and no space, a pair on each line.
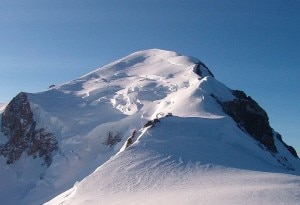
290,148
251,118
113,139
198,71
151,123
19,126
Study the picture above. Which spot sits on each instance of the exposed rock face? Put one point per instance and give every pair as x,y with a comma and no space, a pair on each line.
113,139
197,69
151,123
290,148
131,139
253,119
19,127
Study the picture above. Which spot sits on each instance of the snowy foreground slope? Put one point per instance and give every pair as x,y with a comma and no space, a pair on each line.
174,163
152,128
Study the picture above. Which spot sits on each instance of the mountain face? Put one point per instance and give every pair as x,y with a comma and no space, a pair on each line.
19,127
151,120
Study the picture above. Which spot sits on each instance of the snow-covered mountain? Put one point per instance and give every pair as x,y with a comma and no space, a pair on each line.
154,127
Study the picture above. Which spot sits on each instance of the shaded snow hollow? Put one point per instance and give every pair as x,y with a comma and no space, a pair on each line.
198,155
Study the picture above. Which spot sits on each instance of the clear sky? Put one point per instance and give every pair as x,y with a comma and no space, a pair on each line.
249,45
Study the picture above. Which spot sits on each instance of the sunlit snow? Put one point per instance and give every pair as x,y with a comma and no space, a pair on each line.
197,155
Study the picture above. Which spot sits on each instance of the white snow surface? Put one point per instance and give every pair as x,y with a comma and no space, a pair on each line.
176,163
196,156
2,107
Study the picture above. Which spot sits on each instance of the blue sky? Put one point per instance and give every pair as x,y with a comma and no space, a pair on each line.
249,45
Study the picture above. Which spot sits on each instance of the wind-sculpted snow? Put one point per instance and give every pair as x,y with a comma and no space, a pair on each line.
187,161
150,125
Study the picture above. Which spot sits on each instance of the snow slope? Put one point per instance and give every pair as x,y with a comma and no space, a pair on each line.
198,147
173,163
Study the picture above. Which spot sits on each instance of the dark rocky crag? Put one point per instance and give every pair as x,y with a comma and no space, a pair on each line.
19,126
250,117
197,69
290,148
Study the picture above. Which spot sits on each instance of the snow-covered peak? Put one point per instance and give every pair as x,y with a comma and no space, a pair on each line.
147,82
154,52
152,56
156,62
109,113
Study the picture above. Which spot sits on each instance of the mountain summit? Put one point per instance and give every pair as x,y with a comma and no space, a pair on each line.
153,127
